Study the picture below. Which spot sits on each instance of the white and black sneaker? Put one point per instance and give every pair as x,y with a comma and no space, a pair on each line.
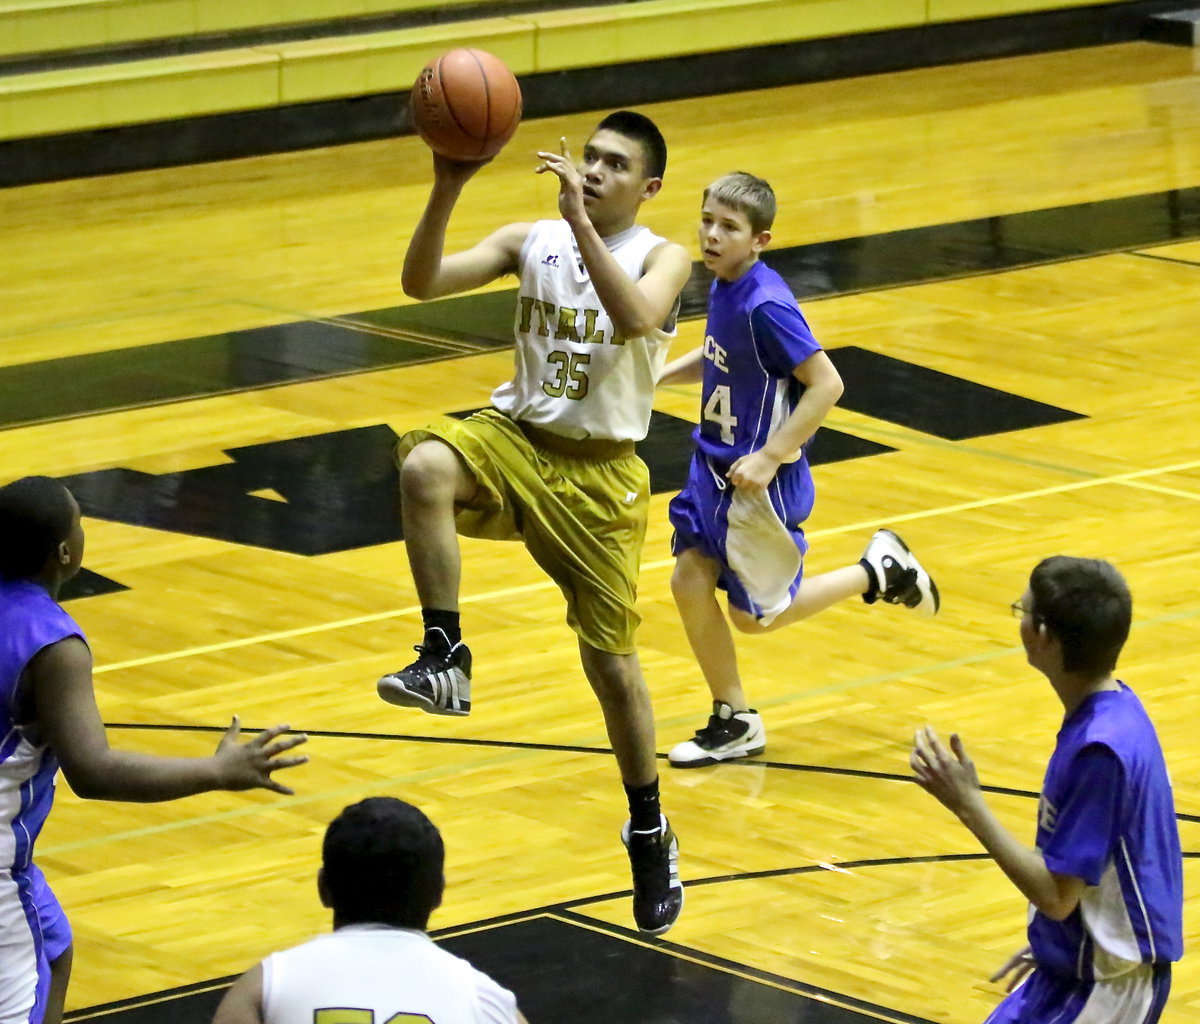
439,681
897,577
657,890
729,735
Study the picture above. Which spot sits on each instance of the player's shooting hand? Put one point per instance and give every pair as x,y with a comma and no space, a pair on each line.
948,775
249,765
1018,965
570,184
753,472
457,172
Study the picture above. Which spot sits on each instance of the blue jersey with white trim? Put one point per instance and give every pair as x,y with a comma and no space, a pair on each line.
30,621
1107,816
755,338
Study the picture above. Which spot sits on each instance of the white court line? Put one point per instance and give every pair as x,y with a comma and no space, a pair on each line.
1131,479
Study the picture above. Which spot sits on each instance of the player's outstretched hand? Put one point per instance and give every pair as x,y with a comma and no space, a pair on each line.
250,765
951,778
1018,965
570,184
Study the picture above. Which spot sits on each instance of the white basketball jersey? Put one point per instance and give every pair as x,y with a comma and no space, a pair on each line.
390,973
574,376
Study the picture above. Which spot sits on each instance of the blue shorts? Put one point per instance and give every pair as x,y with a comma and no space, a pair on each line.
756,538
34,932
1046,998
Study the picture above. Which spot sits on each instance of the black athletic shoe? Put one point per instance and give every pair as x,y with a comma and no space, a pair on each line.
728,735
657,890
897,577
439,681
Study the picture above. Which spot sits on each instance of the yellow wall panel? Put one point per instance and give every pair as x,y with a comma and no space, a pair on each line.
44,29
135,20
966,10
382,62
659,28
34,26
65,107
216,17
39,27
170,87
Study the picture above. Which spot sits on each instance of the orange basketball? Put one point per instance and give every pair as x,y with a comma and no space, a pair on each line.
466,104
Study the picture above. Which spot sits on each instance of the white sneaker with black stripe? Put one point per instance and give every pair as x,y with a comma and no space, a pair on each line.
897,577
439,681
728,735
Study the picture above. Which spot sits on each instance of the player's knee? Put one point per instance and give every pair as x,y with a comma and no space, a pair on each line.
428,473
615,679
691,578
744,622
682,582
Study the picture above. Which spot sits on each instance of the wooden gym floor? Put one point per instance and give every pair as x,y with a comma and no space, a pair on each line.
216,359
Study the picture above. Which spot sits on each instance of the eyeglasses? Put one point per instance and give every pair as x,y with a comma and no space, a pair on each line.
1020,609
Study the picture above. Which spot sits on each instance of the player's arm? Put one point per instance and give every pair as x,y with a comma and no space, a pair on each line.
822,388
428,272
639,307
242,1002
949,775
60,677
687,369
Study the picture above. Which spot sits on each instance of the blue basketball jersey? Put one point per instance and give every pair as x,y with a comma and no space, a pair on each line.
1107,816
755,338
30,620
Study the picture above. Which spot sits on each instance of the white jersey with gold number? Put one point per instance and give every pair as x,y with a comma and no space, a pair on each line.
574,375
376,973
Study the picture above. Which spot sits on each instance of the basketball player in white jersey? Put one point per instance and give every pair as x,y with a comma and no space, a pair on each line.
382,876
552,462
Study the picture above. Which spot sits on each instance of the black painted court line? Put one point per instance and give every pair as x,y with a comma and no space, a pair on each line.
470,741
1167,259
566,966
380,339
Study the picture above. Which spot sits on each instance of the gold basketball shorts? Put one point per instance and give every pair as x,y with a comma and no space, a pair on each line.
579,506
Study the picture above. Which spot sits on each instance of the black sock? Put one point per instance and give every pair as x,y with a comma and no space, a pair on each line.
872,592
447,622
643,806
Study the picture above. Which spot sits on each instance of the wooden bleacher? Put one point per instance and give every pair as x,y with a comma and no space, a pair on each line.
238,68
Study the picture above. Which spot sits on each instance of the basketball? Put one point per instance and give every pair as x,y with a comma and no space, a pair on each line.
466,104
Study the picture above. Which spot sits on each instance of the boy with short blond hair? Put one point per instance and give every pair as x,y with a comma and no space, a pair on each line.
767,386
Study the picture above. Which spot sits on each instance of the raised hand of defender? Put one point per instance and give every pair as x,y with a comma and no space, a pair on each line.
250,765
570,184
948,775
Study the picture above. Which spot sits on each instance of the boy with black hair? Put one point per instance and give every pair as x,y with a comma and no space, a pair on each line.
48,719
382,875
552,462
